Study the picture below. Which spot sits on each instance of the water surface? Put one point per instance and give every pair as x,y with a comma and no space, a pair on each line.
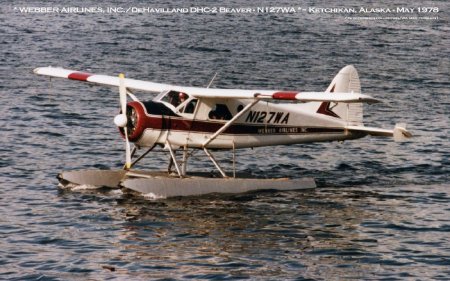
381,209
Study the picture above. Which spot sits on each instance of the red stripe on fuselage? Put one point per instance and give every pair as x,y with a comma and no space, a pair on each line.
81,76
171,123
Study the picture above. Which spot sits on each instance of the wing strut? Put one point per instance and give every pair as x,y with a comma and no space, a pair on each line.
215,162
142,156
221,130
230,122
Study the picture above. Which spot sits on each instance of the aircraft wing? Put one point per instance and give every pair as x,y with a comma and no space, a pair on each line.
100,79
145,85
206,92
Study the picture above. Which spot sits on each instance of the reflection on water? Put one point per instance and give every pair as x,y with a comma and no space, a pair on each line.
323,233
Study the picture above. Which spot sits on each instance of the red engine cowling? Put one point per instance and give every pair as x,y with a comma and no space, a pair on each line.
138,122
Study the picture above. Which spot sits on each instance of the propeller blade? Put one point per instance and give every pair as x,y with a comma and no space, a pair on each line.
127,151
123,105
123,93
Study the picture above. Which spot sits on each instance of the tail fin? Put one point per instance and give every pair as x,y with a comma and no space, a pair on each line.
346,81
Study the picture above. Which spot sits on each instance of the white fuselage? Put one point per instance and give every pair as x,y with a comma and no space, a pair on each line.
266,123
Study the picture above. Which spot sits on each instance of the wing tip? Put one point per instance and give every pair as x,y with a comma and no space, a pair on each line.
37,70
40,70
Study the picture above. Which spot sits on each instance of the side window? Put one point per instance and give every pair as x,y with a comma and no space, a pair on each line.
220,112
190,107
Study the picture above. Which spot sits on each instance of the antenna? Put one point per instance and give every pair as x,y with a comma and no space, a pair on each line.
212,80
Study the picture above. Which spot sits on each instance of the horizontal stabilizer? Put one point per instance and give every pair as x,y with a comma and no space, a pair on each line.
399,133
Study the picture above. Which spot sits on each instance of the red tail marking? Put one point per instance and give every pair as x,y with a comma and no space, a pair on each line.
325,107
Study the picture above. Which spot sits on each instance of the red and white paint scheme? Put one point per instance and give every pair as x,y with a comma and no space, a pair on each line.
208,118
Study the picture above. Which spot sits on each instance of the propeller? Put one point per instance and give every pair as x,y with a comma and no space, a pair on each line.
121,120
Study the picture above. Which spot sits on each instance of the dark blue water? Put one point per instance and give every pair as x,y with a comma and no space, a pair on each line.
381,210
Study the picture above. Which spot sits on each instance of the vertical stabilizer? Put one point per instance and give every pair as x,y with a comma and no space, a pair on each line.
346,81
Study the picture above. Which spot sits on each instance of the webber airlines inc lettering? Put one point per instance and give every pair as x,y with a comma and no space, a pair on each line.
267,117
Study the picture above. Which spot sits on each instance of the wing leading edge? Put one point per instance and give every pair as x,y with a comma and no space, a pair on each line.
206,92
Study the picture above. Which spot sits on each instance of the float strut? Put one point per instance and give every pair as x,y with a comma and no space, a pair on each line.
172,154
215,162
142,156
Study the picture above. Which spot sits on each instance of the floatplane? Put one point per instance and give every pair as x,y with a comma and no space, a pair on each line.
189,119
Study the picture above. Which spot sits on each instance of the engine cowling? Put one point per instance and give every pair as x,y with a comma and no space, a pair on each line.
144,129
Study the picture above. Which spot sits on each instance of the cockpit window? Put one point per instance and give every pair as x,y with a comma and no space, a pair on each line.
175,98
220,112
158,108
